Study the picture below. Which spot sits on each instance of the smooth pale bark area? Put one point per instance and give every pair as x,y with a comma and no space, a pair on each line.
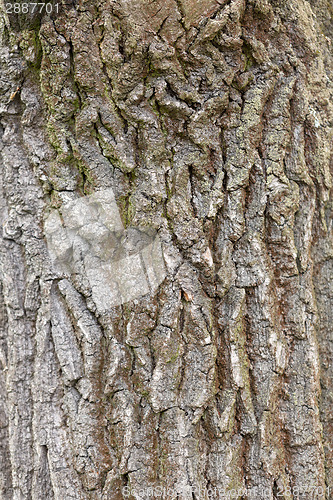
211,121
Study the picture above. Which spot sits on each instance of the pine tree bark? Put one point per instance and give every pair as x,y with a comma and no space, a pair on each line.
211,120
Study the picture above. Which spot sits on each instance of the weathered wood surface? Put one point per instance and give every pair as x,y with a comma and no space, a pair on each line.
212,123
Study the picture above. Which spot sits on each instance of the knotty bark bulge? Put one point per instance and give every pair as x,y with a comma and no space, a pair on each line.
211,121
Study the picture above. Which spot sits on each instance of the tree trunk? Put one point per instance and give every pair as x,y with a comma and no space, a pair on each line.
210,123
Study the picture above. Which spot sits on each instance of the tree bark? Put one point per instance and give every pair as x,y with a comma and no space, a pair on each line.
211,122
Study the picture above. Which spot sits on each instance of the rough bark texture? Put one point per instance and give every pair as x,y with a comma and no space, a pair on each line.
211,120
